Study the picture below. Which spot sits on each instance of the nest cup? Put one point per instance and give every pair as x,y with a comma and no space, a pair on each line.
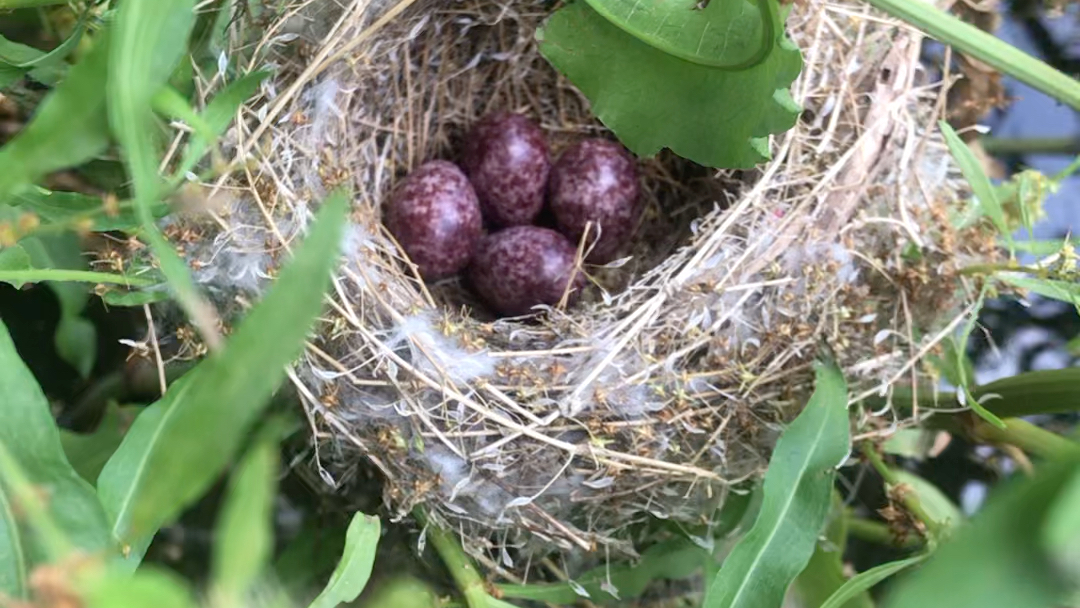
667,387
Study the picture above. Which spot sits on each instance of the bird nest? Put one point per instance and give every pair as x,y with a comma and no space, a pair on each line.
669,383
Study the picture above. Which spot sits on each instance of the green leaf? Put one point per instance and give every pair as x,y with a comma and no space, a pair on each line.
352,573
219,112
937,505
728,35
1061,530
1066,291
30,436
164,462
312,554
652,100
134,298
38,275
76,210
997,561
89,452
45,67
13,559
69,127
1043,391
11,4
150,39
863,581
797,497
978,180
404,592
148,587
245,534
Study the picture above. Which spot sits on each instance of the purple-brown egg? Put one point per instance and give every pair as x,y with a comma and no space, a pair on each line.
596,181
506,158
435,217
522,266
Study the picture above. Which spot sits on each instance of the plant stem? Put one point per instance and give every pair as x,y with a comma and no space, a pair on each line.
466,578
984,47
1031,145
877,532
910,500
1027,437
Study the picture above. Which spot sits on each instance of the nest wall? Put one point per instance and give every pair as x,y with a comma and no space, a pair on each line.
667,386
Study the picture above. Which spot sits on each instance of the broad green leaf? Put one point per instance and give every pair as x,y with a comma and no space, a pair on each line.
352,573
980,184
996,561
797,496
731,35
69,127
652,100
148,587
245,535
13,558
934,501
43,541
89,452
1061,531
33,441
863,581
219,112
1066,291
163,465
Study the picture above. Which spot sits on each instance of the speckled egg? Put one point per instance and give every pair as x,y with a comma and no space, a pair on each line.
435,216
522,266
506,157
596,181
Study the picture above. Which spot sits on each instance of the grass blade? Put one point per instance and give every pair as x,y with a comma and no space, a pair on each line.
863,581
985,47
69,127
163,464
32,440
352,573
997,561
980,184
245,535
797,497
37,275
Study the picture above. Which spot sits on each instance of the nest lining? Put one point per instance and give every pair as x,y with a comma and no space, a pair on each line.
667,388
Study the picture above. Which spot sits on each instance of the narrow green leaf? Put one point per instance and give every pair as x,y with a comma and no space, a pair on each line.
69,127
405,592
163,464
937,505
134,298
77,210
245,534
13,558
31,438
1066,291
996,561
37,275
797,497
150,39
985,47
863,581
824,574
352,573
12,4
977,179
148,587
171,103
311,555
45,67
219,112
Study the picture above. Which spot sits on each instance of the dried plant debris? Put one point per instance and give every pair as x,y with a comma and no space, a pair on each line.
670,380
